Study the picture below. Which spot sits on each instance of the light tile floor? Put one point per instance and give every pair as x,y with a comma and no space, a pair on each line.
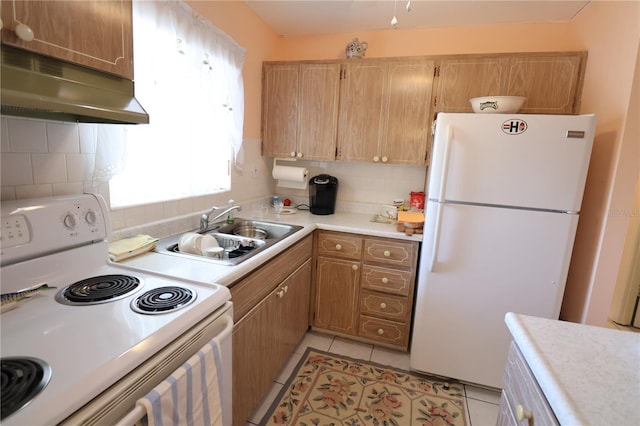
482,404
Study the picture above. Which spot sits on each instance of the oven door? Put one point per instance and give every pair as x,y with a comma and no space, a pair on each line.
117,405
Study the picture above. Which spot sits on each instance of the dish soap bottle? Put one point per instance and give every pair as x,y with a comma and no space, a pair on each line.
230,218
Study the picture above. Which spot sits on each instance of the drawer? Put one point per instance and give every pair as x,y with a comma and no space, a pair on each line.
390,252
384,306
339,245
387,280
521,388
395,333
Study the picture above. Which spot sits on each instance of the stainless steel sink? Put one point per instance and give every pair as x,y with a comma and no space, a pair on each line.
237,248
274,230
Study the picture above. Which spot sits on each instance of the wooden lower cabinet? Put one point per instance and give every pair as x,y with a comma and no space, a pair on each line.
265,337
364,286
336,301
522,401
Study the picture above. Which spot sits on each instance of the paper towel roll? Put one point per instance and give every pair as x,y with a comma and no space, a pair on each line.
290,177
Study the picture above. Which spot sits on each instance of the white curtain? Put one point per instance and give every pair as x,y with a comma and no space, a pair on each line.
188,77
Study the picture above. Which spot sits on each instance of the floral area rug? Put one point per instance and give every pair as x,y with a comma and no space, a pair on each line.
330,389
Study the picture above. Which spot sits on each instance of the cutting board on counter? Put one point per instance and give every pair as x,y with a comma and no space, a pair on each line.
412,217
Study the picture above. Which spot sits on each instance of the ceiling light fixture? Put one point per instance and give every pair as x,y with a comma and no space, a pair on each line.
394,20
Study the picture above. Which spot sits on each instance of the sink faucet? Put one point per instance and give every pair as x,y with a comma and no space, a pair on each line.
206,217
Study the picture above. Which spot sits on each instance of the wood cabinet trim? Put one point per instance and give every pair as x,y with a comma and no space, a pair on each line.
384,306
392,332
387,280
350,245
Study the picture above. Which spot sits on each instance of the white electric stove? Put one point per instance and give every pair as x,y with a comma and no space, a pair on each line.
83,350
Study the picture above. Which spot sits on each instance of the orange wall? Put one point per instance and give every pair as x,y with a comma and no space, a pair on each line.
438,41
607,29
610,30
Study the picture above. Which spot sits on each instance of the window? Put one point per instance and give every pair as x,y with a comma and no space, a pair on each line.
188,77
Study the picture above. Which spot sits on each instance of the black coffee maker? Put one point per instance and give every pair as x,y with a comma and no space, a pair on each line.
322,194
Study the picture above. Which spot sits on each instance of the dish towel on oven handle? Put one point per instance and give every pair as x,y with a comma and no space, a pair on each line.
192,395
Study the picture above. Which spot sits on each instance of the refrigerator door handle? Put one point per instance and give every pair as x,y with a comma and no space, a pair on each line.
436,236
444,171
443,175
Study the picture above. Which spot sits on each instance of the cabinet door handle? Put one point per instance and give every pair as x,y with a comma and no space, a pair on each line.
380,331
376,159
292,154
299,155
386,253
385,280
354,267
286,288
383,305
385,159
23,32
281,294
522,414
338,247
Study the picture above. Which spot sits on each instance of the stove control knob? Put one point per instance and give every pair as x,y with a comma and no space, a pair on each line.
91,217
70,221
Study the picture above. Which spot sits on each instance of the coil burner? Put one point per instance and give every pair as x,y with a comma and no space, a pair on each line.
162,300
98,289
22,379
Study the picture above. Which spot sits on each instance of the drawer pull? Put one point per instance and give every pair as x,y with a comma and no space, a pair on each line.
385,280
522,414
380,331
383,305
387,253
354,267
338,247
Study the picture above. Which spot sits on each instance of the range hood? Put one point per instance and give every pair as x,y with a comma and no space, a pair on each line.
42,87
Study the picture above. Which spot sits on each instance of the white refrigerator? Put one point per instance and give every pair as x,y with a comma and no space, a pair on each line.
504,195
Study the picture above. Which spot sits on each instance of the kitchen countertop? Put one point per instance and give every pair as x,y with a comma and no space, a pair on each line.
590,375
208,271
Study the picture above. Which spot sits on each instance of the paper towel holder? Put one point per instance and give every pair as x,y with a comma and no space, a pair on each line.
285,182
283,159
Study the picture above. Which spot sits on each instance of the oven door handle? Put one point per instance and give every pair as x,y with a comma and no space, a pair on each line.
226,332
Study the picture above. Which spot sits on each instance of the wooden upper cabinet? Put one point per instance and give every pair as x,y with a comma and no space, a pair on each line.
381,110
384,111
300,110
96,34
551,82
360,123
279,109
462,79
408,112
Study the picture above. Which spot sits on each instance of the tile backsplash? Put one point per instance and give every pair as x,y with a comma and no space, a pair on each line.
42,158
